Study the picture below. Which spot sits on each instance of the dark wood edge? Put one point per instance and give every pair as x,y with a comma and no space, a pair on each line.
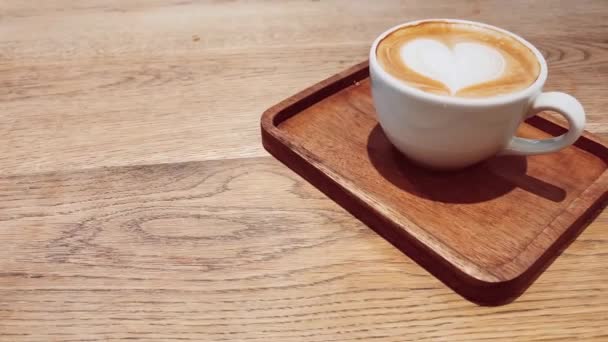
285,109
577,216
478,290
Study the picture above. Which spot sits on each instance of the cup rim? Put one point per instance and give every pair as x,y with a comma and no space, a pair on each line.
535,87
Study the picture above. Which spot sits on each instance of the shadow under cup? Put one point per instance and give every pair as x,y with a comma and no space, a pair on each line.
481,182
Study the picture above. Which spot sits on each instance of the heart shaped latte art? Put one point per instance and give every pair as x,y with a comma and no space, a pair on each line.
463,65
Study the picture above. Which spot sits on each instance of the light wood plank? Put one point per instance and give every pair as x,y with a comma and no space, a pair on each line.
95,84
246,250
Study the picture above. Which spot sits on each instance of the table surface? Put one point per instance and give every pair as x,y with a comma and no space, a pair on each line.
137,203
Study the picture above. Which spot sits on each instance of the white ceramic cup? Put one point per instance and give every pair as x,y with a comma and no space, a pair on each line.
452,132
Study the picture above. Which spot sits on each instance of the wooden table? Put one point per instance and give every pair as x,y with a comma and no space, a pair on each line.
137,203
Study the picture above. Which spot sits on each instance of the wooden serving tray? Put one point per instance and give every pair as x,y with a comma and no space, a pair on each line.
487,231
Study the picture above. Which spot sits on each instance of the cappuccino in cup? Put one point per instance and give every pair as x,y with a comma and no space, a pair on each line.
458,59
450,93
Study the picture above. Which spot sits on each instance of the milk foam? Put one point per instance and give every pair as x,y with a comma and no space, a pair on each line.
456,59
462,65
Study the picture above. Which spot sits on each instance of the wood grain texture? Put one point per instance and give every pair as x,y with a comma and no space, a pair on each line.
474,229
135,77
137,203
167,252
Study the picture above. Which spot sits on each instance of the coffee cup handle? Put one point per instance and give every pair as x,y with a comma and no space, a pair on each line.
561,103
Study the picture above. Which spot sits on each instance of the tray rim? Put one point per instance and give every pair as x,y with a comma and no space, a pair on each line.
574,218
